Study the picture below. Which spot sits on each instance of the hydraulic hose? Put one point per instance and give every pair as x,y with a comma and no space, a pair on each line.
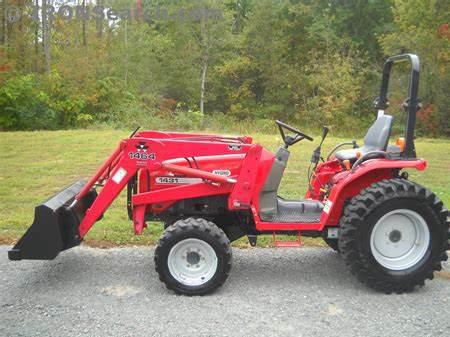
353,142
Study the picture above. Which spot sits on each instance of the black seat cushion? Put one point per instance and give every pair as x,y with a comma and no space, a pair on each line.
376,139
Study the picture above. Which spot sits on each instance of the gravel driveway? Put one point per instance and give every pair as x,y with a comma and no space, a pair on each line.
271,292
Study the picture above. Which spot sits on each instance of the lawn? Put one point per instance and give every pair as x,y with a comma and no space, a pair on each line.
34,165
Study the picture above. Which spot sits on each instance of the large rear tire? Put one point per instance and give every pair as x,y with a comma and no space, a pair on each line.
394,235
193,257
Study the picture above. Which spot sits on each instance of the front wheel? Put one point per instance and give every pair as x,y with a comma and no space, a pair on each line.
193,257
394,235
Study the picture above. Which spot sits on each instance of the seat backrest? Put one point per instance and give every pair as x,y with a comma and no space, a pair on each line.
268,196
377,137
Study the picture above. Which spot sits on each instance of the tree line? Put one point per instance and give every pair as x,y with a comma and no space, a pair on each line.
186,64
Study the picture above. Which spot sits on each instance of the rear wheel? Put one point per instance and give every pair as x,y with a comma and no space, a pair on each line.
400,239
394,235
193,257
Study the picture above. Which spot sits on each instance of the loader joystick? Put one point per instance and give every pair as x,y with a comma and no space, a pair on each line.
316,154
289,140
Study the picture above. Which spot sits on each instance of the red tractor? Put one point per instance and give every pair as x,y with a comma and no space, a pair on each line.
209,190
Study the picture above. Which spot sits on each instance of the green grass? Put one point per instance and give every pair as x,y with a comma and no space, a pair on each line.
35,165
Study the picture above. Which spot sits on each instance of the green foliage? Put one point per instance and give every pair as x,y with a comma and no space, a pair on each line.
25,106
421,26
186,118
311,62
336,91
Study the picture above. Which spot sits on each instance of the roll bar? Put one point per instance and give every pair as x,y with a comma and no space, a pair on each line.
412,102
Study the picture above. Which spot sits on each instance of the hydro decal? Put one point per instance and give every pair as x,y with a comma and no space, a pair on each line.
225,173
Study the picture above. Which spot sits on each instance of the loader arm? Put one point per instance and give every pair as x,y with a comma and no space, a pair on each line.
120,175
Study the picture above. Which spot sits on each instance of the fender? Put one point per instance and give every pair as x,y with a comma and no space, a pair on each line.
350,183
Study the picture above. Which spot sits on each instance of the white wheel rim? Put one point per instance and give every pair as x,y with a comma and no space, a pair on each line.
400,239
192,262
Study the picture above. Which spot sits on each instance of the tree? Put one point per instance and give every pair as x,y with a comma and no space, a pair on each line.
417,29
46,35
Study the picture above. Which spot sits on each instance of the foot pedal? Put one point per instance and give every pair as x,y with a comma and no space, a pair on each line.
288,244
252,240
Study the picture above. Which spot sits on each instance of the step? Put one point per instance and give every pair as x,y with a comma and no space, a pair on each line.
288,244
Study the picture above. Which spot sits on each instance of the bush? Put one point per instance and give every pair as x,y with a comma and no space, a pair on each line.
186,118
25,106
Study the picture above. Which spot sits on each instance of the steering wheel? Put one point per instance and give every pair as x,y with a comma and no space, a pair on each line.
289,140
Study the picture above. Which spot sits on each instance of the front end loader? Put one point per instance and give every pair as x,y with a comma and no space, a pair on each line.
209,190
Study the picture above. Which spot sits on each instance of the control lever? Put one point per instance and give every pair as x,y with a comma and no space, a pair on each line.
316,154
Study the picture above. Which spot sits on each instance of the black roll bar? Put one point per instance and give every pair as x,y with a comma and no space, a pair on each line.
412,106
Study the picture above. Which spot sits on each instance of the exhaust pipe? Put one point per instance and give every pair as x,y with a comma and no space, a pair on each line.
55,225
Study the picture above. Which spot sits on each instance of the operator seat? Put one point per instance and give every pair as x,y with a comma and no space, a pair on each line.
376,139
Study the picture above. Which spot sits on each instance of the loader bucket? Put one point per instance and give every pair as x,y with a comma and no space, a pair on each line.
55,225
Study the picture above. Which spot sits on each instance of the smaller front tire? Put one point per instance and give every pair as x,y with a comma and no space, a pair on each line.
193,257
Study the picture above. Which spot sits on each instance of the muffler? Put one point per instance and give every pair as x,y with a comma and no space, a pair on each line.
55,225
